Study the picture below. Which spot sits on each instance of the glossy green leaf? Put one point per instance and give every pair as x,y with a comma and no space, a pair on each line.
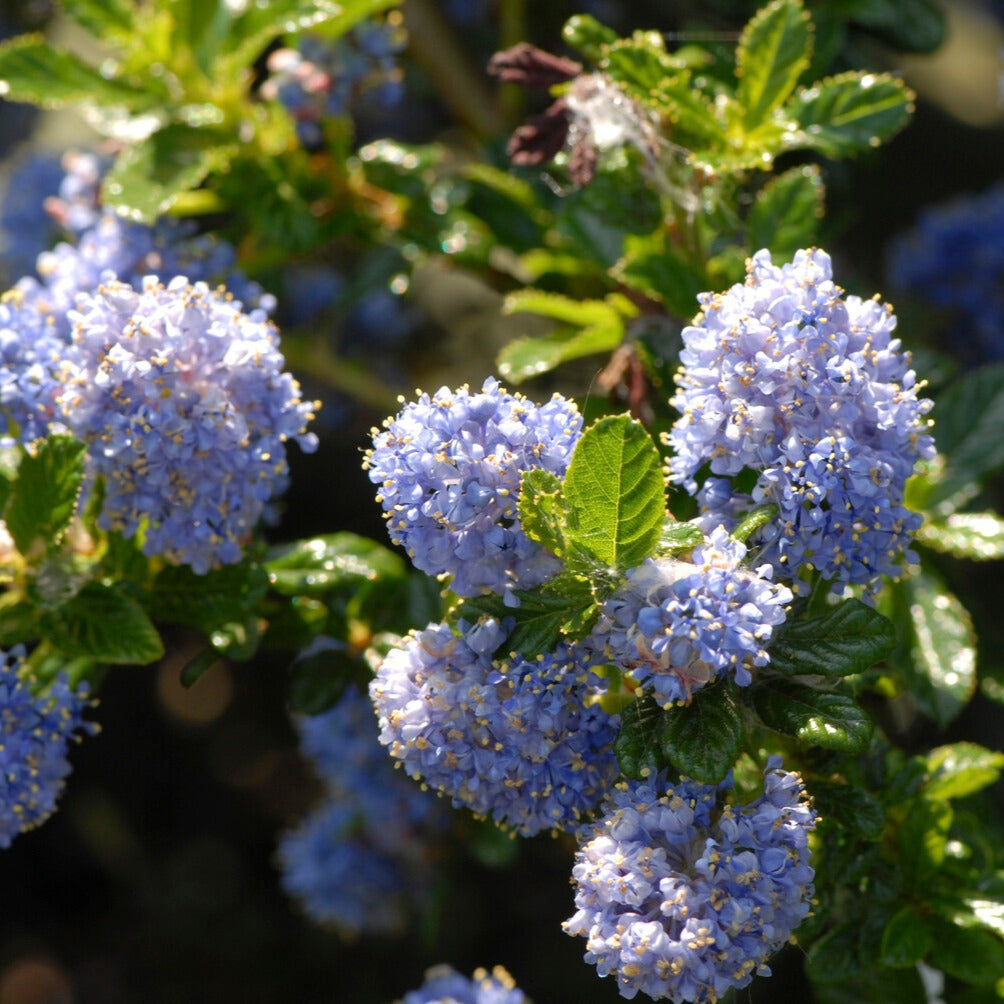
774,49
542,509
978,536
44,497
787,212
102,623
34,71
845,640
524,358
848,113
960,769
320,564
941,672
969,417
207,602
149,176
615,492
905,940
638,745
703,739
970,954
826,718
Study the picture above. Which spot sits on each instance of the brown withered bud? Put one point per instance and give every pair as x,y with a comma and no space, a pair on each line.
529,66
541,138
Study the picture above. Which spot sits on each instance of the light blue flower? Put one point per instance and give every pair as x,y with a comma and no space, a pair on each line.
444,985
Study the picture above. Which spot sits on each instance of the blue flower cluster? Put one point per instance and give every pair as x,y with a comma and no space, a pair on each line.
682,900
35,732
320,79
444,985
954,258
448,469
676,625
806,387
182,401
359,860
521,741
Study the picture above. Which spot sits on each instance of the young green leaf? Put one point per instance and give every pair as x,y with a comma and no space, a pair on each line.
615,493
786,214
845,640
978,536
848,113
694,117
149,176
774,49
826,718
584,33
44,497
104,624
703,739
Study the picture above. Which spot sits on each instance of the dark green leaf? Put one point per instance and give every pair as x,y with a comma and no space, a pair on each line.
148,177
177,595
320,676
941,672
321,564
786,214
876,986
104,624
834,957
826,718
909,25
969,417
615,493
847,639
848,113
851,807
961,769
660,272
921,839
970,954
584,33
774,49
561,610
198,666
638,745
905,940
704,738
32,70
978,536
18,619
44,496
542,510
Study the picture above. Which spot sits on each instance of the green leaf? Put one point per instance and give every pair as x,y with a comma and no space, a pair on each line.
941,673
615,493
105,624
878,986
103,18
581,313
774,49
973,907
36,72
909,25
978,536
704,738
639,64
842,115
922,838
969,954
198,666
638,746
969,417
786,214
753,520
524,358
44,496
542,510
905,940
561,610
961,769
835,957
320,564
851,807
207,602
320,676
659,271
847,639
826,718
692,115
149,176
18,619
679,537
584,33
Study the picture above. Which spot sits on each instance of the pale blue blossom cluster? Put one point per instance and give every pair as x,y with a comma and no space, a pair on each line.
676,625
807,388
954,258
185,408
359,861
523,742
448,469
35,733
681,898
444,985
